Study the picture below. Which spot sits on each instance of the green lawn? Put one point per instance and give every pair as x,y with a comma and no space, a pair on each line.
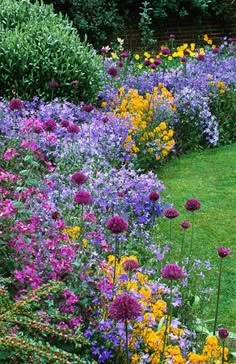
209,176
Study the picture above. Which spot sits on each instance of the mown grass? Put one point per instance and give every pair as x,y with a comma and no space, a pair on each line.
209,176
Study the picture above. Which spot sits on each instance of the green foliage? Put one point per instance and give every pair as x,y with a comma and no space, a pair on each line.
31,341
224,108
36,47
145,23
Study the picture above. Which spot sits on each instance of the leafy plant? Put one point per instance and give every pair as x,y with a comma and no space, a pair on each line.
145,22
38,47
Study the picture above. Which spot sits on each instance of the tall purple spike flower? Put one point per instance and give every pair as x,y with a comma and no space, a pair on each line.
124,308
172,272
117,225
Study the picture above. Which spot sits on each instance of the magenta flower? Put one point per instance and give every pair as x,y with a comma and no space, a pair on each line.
79,178
88,108
171,213
65,123
215,50
49,125
154,196
192,204
73,129
124,308
125,54
15,104
53,84
172,36
157,61
185,224
74,83
83,197
200,57
165,51
120,64
223,333
223,252
147,63
130,265
117,225
172,272
183,59
105,119
10,153
112,71
153,66
186,52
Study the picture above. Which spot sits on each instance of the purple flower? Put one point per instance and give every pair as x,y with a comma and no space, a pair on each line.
147,63
124,308
88,108
192,204
83,197
185,224
165,51
223,333
53,84
154,196
183,59
223,252
120,64
200,57
50,125
117,225
15,104
65,123
73,129
79,178
125,54
172,36
172,272
112,71
215,50
74,83
157,61
171,213
153,66
130,265
186,52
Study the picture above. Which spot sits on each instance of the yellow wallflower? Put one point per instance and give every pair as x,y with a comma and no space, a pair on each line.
72,231
137,57
147,55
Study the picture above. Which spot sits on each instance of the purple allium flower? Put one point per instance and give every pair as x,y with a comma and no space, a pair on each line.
157,61
172,36
120,64
186,52
112,71
105,119
183,59
83,197
15,104
154,196
200,57
153,66
79,178
73,129
171,213
74,83
65,123
124,308
37,129
185,224
172,272
55,215
215,50
147,63
121,194
223,333
53,84
116,224
125,54
165,51
88,108
192,204
130,265
50,125
223,252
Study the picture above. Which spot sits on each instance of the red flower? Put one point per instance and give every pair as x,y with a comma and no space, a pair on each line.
117,225
124,308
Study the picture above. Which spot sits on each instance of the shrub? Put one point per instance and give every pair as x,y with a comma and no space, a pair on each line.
37,47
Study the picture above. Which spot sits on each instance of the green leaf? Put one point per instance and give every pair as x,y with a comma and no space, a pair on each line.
18,204
24,172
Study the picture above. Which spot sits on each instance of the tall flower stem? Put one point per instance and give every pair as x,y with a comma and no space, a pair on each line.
218,298
126,342
182,247
223,352
170,228
116,257
191,243
168,321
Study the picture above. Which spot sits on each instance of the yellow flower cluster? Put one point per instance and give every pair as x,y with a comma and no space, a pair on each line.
208,40
72,231
212,353
147,136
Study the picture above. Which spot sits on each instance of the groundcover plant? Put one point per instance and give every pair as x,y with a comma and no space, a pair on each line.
85,273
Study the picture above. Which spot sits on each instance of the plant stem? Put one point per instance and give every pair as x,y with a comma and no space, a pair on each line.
170,228
191,244
126,341
218,297
223,352
182,246
169,318
116,256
